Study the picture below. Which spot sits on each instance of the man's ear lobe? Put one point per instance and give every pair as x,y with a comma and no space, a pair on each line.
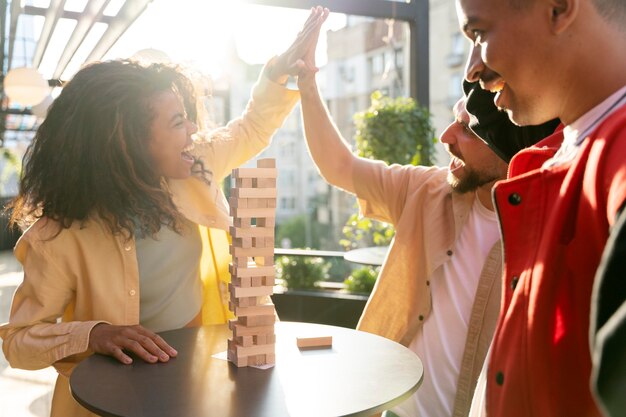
563,13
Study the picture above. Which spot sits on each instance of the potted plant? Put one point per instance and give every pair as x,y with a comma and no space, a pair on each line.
302,297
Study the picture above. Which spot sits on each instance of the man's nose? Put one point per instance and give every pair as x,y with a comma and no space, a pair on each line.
474,65
448,136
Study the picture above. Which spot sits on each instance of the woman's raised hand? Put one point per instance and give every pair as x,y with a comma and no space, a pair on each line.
300,56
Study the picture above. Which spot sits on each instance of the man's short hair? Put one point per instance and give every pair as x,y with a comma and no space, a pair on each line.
612,10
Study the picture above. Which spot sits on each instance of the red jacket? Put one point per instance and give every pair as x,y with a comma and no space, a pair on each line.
555,223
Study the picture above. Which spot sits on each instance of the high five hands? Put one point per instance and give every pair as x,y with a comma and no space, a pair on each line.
299,58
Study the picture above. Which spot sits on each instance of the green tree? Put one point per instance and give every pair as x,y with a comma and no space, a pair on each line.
301,272
397,131
394,131
362,280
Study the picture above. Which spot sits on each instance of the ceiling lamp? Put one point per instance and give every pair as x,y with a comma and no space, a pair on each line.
25,86
151,56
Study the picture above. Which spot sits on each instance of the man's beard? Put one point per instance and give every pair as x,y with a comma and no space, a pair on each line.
472,181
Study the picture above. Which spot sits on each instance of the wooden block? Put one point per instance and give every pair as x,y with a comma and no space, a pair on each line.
250,173
257,320
243,182
262,309
265,183
263,339
251,251
255,350
266,222
269,193
245,341
266,163
256,281
242,223
271,202
254,231
242,356
243,242
257,360
270,358
269,281
239,261
248,213
239,330
314,342
243,301
254,203
269,241
253,271
237,361
264,260
243,282
237,202
239,292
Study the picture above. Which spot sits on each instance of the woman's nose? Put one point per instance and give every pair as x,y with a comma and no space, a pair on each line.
192,127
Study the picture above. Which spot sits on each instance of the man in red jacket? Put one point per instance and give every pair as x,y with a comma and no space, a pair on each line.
548,59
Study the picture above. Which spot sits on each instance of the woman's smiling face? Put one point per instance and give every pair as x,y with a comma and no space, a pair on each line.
170,136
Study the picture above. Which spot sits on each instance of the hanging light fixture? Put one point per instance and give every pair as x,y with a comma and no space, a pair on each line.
151,56
25,86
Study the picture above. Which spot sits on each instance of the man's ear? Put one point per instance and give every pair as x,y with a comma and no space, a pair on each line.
563,13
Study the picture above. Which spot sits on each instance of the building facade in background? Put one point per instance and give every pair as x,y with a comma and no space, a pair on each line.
364,56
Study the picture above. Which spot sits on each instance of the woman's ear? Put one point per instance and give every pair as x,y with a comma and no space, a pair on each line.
563,13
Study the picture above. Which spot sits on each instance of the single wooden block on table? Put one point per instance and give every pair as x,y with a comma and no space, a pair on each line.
320,342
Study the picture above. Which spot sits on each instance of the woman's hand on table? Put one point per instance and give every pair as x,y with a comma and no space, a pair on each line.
111,340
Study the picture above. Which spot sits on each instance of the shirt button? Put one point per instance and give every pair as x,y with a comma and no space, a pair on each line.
499,378
132,292
449,253
421,317
514,282
515,199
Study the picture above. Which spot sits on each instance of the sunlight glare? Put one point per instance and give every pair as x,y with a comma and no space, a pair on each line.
210,34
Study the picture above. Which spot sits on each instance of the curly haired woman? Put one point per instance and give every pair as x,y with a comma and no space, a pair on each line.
125,206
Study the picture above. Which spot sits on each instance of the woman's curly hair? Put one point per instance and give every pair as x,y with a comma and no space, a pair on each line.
89,158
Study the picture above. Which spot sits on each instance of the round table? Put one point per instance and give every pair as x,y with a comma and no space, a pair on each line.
374,255
361,374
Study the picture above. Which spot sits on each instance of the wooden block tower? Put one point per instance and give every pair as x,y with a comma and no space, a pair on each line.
252,268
